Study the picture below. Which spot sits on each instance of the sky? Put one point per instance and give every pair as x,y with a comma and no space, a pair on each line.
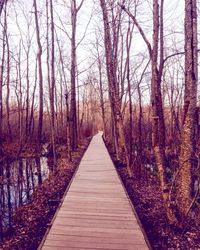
174,15
89,20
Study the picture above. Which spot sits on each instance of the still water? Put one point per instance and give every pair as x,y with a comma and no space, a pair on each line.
18,180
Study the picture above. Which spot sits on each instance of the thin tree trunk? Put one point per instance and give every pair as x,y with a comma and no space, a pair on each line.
69,155
31,117
8,88
39,58
27,94
101,89
1,82
52,90
73,111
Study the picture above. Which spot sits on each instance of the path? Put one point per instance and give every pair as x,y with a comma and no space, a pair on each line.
96,213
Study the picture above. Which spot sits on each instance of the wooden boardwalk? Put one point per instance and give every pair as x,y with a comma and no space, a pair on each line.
96,212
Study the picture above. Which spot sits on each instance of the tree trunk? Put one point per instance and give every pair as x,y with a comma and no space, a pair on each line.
1,81
2,2
52,89
113,91
8,87
128,47
39,58
73,113
158,125
69,155
101,89
187,148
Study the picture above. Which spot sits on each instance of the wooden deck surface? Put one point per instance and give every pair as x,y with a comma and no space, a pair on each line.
96,212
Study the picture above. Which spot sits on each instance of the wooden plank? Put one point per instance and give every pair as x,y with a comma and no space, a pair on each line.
129,236
92,245
122,204
92,197
134,247
93,223
80,228
96,217
96,213
80,238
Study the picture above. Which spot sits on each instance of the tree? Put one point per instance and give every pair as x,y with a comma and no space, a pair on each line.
111,53
39,58
73,72
1,118
27,49
156,53
68,137
187,147
51,73
2,2
8,85
101,92
1,80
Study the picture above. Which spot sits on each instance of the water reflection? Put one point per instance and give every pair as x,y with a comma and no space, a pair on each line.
17,182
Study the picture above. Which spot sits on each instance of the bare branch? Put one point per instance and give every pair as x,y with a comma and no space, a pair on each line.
85,31
79,7
139,28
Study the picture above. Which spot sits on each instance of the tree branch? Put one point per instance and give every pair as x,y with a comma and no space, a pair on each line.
79,7
139,28
172,55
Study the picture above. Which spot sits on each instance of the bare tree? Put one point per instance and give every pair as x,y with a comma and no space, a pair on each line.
39,58
73,110
122,151
1,80
156,53
187,148
52,87
100,71
8,84
68,137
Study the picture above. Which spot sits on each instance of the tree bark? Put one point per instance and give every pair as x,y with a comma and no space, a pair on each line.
158,123
39,58
113,92
8,87
187,147
73,112
52,89
2,2
1,84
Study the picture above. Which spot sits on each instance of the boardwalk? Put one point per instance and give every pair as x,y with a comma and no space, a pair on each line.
96,213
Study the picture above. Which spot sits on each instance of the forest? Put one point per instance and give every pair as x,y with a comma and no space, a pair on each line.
129,68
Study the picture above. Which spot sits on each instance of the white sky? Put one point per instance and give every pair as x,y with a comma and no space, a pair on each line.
174,15
173,22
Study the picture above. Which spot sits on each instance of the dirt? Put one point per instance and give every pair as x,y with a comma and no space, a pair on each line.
32,220
146,197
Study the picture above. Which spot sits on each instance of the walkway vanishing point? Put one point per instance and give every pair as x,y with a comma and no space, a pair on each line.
96,212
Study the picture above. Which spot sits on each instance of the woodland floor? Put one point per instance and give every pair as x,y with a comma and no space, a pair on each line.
32,220
147,200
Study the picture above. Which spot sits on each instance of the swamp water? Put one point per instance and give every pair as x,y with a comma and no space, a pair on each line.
18,179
